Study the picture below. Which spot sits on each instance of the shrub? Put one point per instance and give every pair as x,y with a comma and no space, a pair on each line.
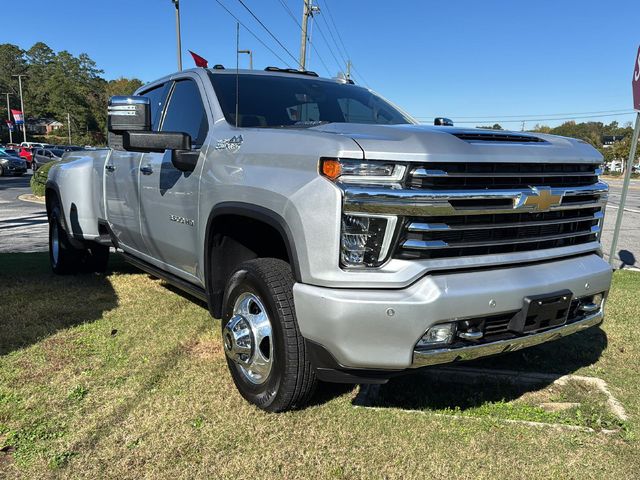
39,179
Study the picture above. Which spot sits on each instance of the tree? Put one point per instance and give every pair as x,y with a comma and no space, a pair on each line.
495,126
61,84
123,86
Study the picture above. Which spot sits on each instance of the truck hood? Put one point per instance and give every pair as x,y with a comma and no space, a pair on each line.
424,143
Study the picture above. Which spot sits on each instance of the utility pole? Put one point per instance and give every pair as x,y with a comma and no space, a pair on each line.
69,126
24,117
250,53
9,117
176,3
308,10
348,69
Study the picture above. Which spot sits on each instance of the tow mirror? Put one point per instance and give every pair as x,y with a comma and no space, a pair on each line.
129,113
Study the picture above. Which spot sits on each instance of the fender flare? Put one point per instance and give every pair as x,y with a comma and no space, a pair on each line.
256,212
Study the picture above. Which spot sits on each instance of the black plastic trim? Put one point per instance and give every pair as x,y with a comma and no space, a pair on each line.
178,282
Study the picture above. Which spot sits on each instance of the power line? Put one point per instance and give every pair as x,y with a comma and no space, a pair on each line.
340,66
422,119
254,35
346,52
268,31
625,110
326,7
334,39
293,17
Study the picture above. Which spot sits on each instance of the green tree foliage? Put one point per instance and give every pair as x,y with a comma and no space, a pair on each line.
495,126
61,84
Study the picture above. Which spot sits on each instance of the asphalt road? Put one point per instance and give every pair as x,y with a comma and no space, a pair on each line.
23,225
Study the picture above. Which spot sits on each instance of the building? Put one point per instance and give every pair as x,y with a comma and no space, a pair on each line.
608,140
42,126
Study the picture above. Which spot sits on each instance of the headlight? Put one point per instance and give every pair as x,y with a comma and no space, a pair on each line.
365,240
361,171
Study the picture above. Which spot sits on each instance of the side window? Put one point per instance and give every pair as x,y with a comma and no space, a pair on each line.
186,113
157,97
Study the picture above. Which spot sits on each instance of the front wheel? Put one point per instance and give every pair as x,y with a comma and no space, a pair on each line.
264,348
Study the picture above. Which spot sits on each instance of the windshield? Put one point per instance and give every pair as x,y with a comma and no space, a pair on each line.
275,101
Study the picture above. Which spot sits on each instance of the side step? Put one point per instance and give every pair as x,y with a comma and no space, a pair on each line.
187,287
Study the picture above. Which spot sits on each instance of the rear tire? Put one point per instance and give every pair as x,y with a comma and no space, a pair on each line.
67,259
265,350
63,257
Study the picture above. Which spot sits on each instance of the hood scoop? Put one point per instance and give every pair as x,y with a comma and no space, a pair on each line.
497,137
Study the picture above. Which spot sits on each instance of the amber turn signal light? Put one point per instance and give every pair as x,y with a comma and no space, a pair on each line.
330,168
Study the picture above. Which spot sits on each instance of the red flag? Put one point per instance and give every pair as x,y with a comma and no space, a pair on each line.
200,62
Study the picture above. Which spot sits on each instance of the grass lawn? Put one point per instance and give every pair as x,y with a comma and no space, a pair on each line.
119,376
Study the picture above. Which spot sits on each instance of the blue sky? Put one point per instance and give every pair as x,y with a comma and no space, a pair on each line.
502,59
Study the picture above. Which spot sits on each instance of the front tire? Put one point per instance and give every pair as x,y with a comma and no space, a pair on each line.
1,171
263,345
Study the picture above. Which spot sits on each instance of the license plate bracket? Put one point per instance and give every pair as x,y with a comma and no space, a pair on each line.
542,311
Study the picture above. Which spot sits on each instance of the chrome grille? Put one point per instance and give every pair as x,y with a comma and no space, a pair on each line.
473,209
450,175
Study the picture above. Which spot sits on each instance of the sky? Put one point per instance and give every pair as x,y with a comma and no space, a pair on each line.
476,62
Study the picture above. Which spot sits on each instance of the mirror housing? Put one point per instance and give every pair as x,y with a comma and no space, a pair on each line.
155,141
444,122
128,113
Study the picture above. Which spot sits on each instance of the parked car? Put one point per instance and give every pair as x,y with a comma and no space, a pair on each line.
335,237
9,151
45,155
26,153
11,165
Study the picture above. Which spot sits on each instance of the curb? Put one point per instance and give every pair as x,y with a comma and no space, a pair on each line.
29,197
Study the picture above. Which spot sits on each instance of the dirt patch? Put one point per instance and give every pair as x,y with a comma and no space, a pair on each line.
206,349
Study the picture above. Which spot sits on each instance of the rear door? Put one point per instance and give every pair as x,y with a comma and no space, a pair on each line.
169,197
122,172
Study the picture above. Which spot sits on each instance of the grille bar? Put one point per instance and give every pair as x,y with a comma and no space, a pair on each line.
426,173
443,227
414,244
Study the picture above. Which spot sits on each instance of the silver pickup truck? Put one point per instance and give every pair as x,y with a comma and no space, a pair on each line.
334,237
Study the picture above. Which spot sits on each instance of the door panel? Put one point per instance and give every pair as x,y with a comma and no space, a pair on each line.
122,202
169,211
169,197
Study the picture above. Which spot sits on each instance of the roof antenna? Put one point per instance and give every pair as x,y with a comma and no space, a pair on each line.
237,75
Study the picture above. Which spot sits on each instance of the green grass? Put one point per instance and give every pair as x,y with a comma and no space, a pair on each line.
118,376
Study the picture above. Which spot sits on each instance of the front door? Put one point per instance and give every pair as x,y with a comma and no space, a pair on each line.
121,184
168,196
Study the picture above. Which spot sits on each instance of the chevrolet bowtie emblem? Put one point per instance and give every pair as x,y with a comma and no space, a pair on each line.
541,200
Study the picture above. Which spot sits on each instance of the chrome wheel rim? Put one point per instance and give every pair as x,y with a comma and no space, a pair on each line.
248,338
55,243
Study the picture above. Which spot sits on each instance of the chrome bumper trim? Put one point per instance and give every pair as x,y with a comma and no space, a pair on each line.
423,358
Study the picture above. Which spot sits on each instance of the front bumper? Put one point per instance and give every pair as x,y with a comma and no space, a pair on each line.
378,329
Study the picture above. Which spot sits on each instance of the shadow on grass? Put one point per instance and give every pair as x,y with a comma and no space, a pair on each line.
37,303
423,390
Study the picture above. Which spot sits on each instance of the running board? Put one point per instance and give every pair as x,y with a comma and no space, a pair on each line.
187,287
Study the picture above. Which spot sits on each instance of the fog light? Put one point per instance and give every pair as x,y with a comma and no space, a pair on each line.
598,298
442,333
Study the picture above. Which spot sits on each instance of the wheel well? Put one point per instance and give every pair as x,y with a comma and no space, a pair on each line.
50,197
233,239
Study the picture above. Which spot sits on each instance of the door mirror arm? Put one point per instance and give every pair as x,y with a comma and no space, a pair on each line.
185,160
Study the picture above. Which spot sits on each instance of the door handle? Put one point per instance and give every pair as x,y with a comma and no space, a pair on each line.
146,170
110,168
